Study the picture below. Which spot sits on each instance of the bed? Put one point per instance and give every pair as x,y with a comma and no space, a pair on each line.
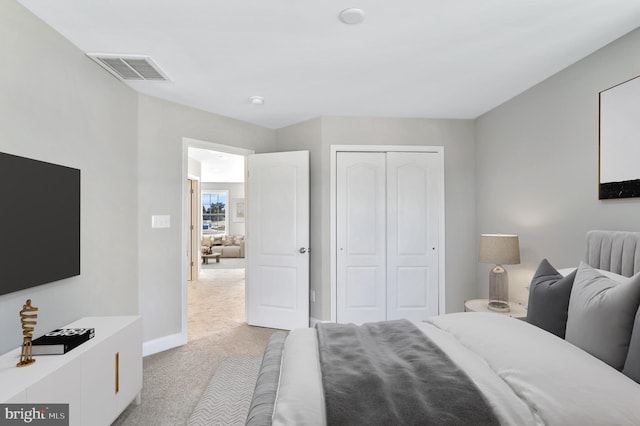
575,361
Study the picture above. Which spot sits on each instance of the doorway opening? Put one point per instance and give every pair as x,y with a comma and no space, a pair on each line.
214,238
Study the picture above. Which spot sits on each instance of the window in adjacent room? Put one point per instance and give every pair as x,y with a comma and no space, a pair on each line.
214,212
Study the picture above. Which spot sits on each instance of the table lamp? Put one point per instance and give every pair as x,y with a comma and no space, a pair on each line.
499,249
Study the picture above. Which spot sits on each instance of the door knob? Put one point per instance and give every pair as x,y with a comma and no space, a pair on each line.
303,250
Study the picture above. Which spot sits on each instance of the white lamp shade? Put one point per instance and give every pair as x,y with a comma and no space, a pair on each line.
499,249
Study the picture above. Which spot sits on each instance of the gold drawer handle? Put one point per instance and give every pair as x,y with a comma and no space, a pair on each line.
117,372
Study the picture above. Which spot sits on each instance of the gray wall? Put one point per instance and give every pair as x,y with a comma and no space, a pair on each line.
58,106
162,126
457,137
537,165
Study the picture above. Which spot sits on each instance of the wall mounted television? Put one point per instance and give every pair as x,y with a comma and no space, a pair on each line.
39,223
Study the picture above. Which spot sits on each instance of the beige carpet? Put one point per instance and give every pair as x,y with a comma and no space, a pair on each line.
216,302
174,380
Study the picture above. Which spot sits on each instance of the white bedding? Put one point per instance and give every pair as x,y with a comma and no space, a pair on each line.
528,376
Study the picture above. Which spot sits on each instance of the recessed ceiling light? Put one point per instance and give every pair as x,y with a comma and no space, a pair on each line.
257,100
352,16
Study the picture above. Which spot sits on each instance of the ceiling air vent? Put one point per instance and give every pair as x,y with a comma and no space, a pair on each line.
129,67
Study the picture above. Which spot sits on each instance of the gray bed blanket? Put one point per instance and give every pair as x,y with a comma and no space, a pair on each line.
390,373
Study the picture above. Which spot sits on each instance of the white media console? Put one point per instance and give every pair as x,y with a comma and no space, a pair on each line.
98,379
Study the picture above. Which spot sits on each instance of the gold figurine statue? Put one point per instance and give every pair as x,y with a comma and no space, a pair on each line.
29,322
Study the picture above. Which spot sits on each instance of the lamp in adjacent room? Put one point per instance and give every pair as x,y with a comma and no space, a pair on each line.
499,249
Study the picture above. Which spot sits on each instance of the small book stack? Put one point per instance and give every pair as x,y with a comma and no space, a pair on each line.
61,340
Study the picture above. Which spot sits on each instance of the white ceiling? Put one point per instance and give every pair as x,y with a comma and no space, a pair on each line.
409,58
218,166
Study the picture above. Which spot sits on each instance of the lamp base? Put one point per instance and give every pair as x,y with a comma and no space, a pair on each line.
498,289
497,306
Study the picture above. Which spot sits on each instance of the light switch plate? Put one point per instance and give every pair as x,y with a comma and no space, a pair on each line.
161,221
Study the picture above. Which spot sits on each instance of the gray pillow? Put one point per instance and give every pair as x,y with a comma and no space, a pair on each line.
632,364
549,294
601,314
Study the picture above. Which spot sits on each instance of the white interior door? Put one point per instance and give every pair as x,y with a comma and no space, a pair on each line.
277,280
413,194
361,243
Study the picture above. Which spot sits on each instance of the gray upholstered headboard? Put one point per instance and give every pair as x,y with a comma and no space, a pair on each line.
615,251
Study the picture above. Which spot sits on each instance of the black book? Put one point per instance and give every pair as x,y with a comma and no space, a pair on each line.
61,340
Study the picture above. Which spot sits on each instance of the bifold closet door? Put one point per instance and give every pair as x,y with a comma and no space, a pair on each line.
387,216
361,237
413,202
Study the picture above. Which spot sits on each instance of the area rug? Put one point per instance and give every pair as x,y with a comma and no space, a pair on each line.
226,263
226,399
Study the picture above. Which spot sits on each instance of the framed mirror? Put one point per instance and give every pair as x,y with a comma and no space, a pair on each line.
619,141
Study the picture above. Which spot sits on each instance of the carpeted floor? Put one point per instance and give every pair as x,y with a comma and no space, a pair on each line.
175,380
216,303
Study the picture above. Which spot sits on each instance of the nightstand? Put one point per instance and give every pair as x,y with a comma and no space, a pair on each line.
480,305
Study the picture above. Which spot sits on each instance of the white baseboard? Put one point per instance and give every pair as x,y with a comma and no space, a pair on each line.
163,343
313,321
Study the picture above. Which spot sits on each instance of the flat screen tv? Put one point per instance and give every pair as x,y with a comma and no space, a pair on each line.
39,223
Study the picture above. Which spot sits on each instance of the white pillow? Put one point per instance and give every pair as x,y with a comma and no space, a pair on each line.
602,311
616,277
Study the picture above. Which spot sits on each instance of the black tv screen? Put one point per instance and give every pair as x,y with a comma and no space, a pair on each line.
39,223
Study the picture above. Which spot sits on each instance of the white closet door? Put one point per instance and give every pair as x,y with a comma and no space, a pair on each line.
361,245
413,205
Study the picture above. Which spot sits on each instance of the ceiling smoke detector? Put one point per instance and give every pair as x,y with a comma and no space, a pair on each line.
130,67
256,100
351,16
